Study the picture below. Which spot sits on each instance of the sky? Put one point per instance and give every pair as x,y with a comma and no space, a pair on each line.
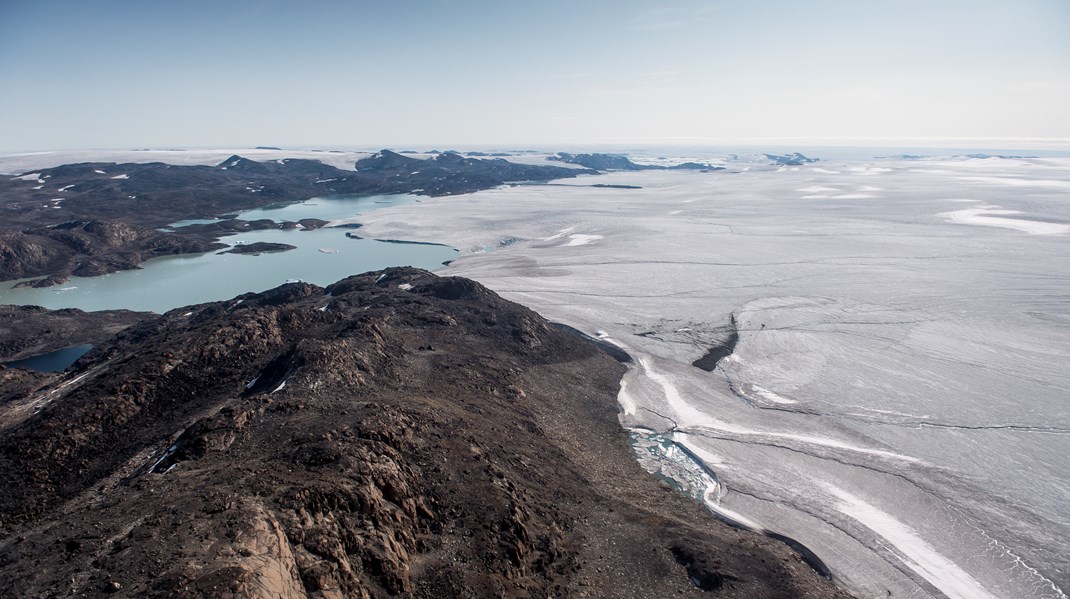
334,74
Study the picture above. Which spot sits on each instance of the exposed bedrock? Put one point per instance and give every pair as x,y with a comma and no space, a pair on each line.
395,434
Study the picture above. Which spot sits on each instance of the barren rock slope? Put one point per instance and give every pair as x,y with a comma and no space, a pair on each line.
395,435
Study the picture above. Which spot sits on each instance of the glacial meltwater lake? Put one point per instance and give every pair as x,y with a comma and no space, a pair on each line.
323,256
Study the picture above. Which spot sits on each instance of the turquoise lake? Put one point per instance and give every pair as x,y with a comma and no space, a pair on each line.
323,256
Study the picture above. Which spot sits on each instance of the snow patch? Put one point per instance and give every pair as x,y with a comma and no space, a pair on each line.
769,395
991,215
580,239
684,410
869,170
559,234
1019,181
911,549
714,424
122,176
624,398
709,498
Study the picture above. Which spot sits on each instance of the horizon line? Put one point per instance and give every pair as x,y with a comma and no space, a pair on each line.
953,142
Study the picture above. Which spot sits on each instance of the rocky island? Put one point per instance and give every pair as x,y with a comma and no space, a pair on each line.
260,247
394,434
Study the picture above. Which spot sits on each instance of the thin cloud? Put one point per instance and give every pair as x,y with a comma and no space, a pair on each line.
672,18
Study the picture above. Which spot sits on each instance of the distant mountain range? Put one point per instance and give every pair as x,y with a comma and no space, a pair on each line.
620,162
793,159
93,218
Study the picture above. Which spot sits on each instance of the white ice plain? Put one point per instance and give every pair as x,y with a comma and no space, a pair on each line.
898,399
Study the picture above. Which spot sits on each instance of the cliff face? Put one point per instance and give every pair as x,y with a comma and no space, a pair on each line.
393,435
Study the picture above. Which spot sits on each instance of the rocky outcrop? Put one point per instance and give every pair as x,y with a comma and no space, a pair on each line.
600,162
620,162
32,330
87,248
792,159
451,173
259,247
43,283
696,166
392,435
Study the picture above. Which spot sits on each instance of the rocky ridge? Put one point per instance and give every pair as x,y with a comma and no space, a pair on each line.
31,330
88,248
620,162
395,434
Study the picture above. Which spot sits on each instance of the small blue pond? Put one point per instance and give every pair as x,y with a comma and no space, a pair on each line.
53,361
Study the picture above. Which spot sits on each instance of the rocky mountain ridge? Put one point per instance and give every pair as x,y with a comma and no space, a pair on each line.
394,434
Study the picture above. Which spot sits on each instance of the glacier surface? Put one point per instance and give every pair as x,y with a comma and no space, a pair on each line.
898,398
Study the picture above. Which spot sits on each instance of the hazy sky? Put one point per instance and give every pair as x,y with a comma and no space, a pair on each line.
116,74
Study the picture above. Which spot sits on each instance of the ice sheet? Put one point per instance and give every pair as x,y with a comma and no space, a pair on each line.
926,359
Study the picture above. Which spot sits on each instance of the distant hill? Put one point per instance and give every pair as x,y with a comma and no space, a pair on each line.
118,207
620,162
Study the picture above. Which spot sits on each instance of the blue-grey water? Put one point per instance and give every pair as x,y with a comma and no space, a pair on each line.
53,361
323,256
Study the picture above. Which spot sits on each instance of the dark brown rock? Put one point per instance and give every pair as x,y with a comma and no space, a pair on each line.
49,281
427,441
94,218
31,330
259,247
87,248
